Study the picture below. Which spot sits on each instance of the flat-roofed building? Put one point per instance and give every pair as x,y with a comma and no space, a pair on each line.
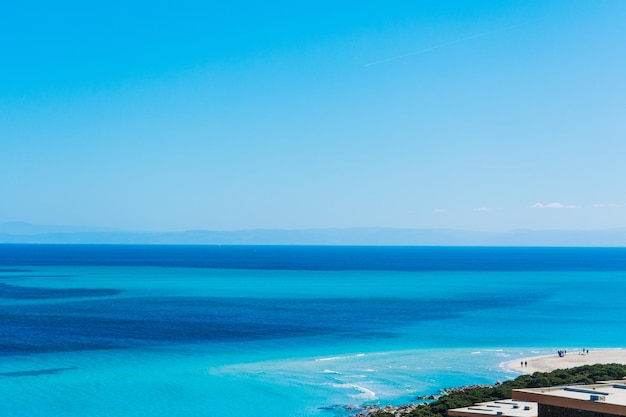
504,408
607,399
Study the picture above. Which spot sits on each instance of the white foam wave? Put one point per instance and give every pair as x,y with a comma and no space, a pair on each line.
363,393
332,358
330,371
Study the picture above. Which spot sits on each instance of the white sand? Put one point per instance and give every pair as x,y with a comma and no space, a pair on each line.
570,360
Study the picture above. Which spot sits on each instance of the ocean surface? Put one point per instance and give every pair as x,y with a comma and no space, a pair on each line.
207,331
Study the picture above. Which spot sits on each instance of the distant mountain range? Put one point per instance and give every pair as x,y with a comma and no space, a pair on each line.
18,232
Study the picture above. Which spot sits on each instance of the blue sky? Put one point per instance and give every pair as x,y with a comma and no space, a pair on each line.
476,115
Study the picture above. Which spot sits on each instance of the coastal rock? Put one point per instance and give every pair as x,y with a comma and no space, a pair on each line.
396,411
403,410
465,388
430,397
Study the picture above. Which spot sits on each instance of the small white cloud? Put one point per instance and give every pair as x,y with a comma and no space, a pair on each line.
553,206
440,210
482,209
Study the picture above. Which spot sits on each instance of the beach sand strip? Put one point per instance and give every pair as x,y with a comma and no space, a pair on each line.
549,363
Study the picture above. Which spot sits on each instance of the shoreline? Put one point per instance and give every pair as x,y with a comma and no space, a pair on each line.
539,363
548,363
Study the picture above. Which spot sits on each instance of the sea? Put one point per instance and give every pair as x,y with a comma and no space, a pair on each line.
210,331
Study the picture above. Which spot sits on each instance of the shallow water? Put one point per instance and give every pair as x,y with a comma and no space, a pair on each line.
100,337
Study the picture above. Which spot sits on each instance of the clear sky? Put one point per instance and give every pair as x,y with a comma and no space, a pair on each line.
147,115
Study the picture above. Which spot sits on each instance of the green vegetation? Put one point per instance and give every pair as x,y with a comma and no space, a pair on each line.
465,397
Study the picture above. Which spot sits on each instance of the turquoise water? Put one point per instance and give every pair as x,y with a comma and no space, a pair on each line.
87,339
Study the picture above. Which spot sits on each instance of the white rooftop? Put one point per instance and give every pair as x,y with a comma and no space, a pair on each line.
504,408
602,397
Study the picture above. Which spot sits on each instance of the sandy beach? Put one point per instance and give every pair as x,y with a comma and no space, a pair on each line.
571,359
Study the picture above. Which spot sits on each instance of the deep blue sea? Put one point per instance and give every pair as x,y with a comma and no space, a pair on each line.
133,330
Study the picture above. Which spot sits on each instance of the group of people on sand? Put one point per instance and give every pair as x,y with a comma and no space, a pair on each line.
563,352
524,363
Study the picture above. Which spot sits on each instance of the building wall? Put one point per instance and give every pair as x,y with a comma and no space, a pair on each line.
554,411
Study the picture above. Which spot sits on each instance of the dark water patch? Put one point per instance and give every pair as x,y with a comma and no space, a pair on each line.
130,322
323,258
15,292
43,276
3,270
13,277
37,372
